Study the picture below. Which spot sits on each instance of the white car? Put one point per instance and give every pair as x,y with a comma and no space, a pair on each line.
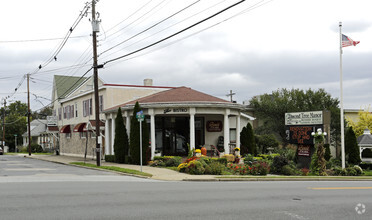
1,151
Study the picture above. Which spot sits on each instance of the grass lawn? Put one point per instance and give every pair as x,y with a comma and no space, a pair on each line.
117,169
367,172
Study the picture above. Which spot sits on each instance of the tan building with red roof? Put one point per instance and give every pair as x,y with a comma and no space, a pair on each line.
180,116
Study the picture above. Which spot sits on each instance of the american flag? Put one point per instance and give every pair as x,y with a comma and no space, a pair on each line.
347,41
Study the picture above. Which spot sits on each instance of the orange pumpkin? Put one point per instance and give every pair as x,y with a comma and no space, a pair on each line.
204,151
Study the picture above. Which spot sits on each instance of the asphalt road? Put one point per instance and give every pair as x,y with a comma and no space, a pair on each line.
65,192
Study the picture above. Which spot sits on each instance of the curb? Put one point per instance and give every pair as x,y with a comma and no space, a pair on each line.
92,168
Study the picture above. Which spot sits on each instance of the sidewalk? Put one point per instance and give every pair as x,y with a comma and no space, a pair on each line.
157,173
171,175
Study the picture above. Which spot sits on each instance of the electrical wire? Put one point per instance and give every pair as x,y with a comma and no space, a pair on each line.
152,26
38,40
175,34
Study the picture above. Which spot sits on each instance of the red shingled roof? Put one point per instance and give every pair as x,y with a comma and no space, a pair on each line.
176,95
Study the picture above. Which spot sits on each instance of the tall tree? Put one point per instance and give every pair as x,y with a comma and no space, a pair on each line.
351,147
121,144
270,108
252,147
15,123
135,138
365,121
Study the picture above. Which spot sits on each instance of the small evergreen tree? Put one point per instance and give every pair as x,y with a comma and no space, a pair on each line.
121,144
243,142
351,147
135,138
252,148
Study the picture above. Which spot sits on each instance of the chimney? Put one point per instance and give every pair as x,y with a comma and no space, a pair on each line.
147,82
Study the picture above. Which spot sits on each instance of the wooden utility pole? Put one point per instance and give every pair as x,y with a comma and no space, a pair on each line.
231,95
28,114
95,75
4,125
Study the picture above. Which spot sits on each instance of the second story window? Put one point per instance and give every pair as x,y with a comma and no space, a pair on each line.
101,103
87,107
76,110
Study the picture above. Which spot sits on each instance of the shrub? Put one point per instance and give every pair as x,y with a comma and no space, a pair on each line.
260,168
288,153
351,147
305,171
110,158
35,148
266,141
222,161
121,144
195,167
182,167
288,170
216,168
173,162
349,171
278,163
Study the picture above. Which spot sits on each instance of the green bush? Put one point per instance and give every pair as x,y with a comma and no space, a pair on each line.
278,163
260,168
222,160
173,162
327,154
349,171
216,168
110,158
195,167
35,148
266,141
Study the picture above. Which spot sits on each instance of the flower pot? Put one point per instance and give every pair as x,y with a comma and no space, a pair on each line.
197,154
237,153
222,154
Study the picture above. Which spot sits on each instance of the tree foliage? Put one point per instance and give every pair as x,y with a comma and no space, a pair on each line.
365,121
266,141
271,108
135,138
15,123
121,144
247,140
351,147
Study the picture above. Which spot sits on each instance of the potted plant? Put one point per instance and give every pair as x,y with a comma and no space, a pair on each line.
157,153
237,151
197,153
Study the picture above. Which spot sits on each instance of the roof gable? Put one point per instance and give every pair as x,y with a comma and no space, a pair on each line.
65,84
176,95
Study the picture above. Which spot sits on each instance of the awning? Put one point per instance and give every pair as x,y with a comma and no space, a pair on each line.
65,129
81,127
52,128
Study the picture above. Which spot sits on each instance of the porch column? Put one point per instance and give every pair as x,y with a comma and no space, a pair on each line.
192,128
127,122
107,139
238,130
152,132
226,131
112,133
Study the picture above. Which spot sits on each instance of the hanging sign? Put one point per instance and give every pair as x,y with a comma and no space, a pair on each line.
214,126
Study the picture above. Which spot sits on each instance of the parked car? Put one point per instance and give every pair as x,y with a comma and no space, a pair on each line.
1,151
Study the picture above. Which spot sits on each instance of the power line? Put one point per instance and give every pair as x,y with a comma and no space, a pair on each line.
39,40
152,26
172,35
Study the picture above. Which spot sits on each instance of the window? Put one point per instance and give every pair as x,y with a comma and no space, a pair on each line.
101,103
76,110
65,112
87,107
59,113
83,135
71,111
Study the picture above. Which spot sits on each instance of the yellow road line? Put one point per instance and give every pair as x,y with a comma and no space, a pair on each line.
322,188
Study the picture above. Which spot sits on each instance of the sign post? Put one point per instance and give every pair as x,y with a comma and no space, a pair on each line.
140,117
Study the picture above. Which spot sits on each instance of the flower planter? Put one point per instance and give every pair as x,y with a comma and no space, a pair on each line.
237,153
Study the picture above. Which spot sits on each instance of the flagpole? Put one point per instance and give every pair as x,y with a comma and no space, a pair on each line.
342,105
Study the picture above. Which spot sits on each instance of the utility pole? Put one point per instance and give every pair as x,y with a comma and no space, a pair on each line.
28,114
95,75
4,125
231,95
